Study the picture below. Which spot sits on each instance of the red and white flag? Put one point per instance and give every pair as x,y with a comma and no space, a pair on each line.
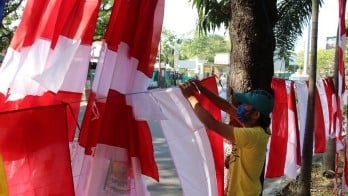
44,70
118,146
216,141
341,86
189,144
329,88
293,151
48,58
279,137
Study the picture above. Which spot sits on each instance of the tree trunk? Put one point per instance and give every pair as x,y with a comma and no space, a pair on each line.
253,44
307,152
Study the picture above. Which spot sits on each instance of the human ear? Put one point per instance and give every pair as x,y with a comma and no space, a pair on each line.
255,115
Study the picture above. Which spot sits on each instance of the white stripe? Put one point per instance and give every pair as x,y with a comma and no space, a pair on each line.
188,143
104,72
301,90
18,74
66,54
291,166
145,107
126,77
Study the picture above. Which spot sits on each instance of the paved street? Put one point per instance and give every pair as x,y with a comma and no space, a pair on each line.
169,184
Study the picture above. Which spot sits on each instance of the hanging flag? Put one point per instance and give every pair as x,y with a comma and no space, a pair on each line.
118,146
44,67
319,124
331,104
293,151
48,58
216,141
188,143
279,127
341,85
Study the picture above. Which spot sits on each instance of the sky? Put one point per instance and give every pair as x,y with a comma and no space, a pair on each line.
180,17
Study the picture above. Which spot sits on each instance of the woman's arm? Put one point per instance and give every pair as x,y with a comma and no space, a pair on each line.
215,99
204,116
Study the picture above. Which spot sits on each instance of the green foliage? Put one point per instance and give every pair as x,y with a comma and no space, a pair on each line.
12,14
103,19
325,62
292,16
204,47
169,42
212,14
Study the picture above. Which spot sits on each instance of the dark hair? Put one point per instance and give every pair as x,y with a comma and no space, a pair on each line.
264,122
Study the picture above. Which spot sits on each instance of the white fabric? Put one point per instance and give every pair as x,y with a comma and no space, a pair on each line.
145,107
188,143
126,69
26,73
301,90
107,173
104,73
59,62
18,69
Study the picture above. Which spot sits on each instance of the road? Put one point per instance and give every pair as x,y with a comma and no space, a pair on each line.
169,184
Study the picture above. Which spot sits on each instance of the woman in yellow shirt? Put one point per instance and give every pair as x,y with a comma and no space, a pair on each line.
249,142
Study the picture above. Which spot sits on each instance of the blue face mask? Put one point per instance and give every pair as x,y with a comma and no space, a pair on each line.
241,111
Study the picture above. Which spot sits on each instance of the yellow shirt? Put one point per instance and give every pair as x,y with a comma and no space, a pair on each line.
246,161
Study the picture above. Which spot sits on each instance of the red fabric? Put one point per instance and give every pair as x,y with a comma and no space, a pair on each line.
52,18
48,17
36,153
36,130
292,107
91,124
73,101
319,126
138,32
216,141
49,98
329,90
119,128
279,137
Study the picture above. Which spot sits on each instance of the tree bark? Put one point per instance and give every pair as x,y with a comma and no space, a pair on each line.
252,45
307,152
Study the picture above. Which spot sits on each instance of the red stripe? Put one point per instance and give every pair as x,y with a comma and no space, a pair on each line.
119,128
279,137
141,23
82,21
329,90
216,141
319,126
44,18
